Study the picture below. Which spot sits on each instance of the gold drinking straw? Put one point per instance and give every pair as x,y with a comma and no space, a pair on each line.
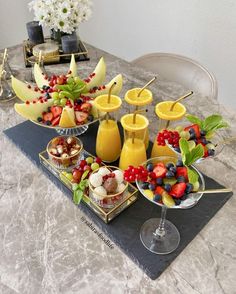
145,86
109,93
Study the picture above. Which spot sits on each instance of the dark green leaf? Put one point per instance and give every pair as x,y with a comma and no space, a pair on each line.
194,119
196,153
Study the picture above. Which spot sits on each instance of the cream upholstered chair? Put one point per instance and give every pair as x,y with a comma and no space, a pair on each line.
182,70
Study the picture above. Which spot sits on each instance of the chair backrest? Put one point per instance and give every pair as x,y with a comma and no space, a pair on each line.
180,69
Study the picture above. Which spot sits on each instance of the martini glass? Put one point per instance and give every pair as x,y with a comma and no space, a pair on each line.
159,235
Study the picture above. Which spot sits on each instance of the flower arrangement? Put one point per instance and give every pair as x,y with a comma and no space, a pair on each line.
61,15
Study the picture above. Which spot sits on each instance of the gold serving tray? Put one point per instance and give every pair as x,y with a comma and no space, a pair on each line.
81,55
105,214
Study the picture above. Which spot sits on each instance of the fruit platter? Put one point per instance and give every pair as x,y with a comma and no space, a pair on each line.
64,102
203,132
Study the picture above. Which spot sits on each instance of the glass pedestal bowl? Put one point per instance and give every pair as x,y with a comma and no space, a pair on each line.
159,235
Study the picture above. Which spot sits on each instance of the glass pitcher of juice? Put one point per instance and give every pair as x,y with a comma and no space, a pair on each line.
133,151
166,118
108,142
132,97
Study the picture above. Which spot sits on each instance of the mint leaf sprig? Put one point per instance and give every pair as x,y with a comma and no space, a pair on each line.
72,89
189,157
209,124
79,189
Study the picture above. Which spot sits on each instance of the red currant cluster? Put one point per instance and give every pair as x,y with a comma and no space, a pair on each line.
171,136
135,173
111,175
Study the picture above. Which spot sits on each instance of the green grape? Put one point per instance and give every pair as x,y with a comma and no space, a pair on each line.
185,135
55,95
63,101
56,102
179,129
89,160
210,146
95,166
69,176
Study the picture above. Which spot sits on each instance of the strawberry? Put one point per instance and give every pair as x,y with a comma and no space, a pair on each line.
86,107
178,190
159,190
160,170
196,130
182,171
56,111
81,116
55,121
48,116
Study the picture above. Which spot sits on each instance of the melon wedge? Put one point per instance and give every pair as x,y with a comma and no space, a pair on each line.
22,91
32,110
99,77
115,91
73,66
39,77
67,119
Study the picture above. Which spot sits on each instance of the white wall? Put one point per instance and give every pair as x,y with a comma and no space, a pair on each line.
202,30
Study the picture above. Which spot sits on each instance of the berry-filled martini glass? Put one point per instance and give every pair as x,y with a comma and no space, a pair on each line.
171,184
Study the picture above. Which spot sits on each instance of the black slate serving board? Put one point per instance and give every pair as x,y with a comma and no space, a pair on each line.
124,230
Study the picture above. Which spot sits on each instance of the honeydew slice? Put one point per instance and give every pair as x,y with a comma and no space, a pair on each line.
22,91
99,77
39,77
67,119
32,110
73,66
115,90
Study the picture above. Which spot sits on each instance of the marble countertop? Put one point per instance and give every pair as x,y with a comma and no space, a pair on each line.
45,246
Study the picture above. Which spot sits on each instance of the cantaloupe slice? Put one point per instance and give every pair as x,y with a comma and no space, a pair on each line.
32,110
67,119
73,66
115,91
22,91
99,77
39,77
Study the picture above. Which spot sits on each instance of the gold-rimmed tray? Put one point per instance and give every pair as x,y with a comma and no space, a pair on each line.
105,214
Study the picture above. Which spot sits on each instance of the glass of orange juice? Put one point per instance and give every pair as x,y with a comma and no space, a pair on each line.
140,97
108,142
133,151
166,118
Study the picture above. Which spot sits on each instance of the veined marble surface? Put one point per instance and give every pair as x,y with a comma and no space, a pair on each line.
46,248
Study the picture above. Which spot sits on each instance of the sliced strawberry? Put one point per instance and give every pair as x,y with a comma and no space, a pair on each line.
55,121
86,107
196,130
48,116
81,116
56,111
159,190
177,190
160,170
182,171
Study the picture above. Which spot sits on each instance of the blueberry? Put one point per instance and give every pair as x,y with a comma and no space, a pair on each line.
39,119
170,174
49,109
47,96
157,197
167,187
173,169
79,101
177,201
191,131
179,163
150,167
189,188
181,179
90,117
204,141
169,165
203,133
159,181
211,152
47,88
192,136
48,123
151,187
44,87
144,185
177,149
184,197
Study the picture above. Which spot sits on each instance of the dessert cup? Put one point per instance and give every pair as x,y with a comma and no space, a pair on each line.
159,235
